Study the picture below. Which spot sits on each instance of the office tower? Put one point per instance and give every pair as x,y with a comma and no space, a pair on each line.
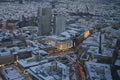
44,21
59,24
21,1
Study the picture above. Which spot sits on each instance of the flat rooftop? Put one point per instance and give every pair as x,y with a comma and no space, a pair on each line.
52,70
98,71
5,52
12,73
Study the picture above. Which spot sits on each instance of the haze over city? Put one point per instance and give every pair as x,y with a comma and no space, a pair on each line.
59,39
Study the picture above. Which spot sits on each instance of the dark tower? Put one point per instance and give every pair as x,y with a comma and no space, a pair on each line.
20,1
100,51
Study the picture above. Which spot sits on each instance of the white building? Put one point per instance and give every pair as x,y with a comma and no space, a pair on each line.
37,57
98,71
6,57
61,43
50,71
12,73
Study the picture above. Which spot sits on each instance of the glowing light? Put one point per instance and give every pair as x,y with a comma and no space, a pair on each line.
86,35
95,30
17,58
62,46
49,43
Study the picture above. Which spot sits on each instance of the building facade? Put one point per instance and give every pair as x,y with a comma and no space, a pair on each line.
59,24
61,43
44,21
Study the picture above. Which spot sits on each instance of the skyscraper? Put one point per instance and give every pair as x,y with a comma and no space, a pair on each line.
21,1
59,24
44,21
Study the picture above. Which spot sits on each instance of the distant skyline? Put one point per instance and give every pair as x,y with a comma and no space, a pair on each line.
65,0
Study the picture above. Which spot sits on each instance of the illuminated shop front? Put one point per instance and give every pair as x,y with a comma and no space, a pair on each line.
60,43
64,44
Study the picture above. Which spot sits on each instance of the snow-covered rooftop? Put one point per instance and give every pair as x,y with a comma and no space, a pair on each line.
59,38
11,73
40,52
117,63
47,72
32,61
25,63
5,52
98,71
66,34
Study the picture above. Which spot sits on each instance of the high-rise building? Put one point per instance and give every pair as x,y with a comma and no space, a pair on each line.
21,1
44,21
59,24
